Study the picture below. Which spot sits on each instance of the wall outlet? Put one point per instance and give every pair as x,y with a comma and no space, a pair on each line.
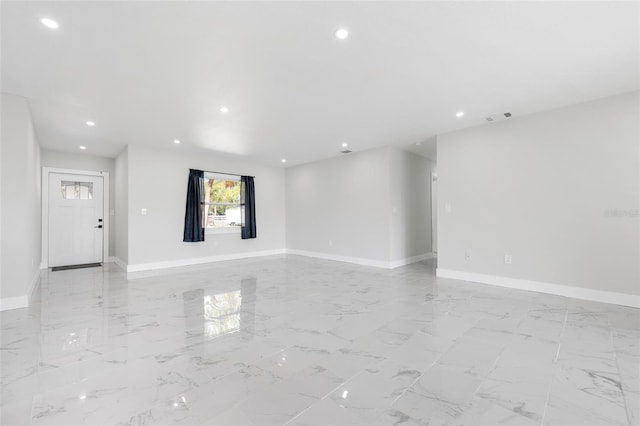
508,259
143,211
467,256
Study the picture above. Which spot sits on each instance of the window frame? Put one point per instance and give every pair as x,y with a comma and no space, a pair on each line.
225,230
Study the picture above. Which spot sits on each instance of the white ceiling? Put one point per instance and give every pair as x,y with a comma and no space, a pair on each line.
150,72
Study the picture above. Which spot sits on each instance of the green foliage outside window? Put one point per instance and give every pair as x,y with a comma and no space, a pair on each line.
223,191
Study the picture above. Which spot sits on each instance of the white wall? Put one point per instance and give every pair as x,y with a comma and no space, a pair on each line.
370,206
410,197
340,206
68,160
157,181
121,206
558,190
20,217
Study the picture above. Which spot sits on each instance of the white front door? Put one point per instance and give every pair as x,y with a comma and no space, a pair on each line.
76,224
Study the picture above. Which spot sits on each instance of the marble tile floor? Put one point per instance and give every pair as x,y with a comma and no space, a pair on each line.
288,340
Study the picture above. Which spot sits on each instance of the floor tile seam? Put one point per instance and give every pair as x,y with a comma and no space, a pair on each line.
323,397
181,393
435,361
554,367
71,364
493,367
219,378
624,399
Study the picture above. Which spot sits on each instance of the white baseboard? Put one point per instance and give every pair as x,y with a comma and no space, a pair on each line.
361,261
117,261
409,260
18,302
8,303
338,258
199,260
35,280
542,287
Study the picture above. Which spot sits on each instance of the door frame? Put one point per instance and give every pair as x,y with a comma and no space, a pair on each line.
45,209
434,212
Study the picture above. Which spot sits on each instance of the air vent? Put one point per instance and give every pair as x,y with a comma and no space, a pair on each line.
497,117
346,151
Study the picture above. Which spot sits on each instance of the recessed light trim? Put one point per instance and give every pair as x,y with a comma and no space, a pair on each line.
176,141
284,160
91,123
50,23
460,114
224,109
341,33
82,147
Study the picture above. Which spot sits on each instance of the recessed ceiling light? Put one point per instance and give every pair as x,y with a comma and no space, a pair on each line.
460,114
82,147
49,23
342,34
284,160
224,109
91,123
176,141
344,144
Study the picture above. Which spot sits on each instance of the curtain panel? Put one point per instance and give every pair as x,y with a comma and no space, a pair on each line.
193,223
248,200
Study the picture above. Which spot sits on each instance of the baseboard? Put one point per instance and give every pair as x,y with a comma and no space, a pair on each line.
35,280
542,287
409,260
361,261
338,258
197,261
8,303
19,302
117,261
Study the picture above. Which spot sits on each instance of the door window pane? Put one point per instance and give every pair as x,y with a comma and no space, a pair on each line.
76,190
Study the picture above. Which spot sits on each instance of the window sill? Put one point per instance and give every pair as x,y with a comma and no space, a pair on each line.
235,230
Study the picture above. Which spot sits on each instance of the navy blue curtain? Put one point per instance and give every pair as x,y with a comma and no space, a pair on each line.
248,200
193,223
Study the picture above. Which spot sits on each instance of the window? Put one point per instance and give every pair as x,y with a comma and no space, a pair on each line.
222,202
76,190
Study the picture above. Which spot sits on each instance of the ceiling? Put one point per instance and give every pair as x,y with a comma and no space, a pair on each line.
151,72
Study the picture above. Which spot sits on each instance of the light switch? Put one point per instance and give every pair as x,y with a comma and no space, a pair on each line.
143,211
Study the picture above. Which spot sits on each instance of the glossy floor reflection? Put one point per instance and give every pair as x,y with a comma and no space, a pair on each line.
298,341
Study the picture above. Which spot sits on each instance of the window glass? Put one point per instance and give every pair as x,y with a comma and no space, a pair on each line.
72,190
222,203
